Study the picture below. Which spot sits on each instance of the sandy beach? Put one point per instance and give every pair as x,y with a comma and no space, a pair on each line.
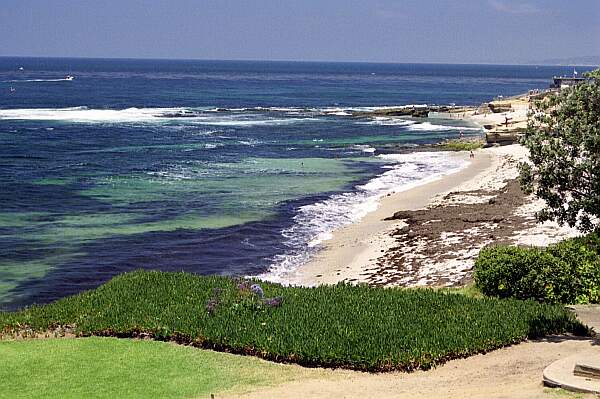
430,235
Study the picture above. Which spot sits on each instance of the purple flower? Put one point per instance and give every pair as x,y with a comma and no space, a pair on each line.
244,286
273,302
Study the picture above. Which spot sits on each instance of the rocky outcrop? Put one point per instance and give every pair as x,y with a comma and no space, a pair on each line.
504,137
415,112
499,108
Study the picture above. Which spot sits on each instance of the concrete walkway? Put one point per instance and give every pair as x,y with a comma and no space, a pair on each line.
561,373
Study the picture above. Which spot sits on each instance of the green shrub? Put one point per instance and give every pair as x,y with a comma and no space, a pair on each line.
591,241
578,281
567,272
517,272
357,327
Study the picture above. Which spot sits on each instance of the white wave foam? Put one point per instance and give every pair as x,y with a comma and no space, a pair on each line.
337,110
281,109
364,148
427,126
83,114
388,121
37,80
195,116
374,108
250,142
145,115
229,121
315,223
262,109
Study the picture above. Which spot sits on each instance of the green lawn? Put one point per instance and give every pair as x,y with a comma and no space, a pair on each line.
124,368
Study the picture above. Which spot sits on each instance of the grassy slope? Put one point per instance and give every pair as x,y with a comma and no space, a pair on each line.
116,368
342,326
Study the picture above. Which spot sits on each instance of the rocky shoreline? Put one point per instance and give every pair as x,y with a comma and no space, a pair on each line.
421,111
504,120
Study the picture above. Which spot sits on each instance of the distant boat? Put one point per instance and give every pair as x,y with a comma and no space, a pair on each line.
21,68
69,77
12,89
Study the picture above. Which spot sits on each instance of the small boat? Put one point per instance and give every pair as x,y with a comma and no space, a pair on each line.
69,77
12,89
21,68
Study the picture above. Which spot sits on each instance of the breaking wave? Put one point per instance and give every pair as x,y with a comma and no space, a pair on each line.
388,121
427,126
37,80
316,223
144,115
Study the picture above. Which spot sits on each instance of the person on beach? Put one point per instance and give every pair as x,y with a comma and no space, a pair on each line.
471,155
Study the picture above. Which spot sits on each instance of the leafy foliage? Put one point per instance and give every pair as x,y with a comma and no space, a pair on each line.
356,327
563,138
506,272
567,272
593,74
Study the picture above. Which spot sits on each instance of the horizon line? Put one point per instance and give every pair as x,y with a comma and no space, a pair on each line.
293,61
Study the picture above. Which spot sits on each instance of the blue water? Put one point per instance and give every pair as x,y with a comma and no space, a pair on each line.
207,166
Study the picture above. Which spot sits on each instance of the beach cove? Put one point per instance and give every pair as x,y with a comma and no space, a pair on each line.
300,200
431,234
101,184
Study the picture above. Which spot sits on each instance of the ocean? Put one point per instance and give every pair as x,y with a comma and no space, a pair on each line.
210,167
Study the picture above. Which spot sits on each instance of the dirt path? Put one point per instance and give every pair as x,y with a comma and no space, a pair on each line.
512,373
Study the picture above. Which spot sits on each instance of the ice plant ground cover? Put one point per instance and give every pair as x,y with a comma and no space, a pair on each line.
356,327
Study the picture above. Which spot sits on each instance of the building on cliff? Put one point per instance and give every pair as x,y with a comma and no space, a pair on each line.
563,82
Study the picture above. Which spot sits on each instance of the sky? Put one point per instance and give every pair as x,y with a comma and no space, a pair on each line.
457,31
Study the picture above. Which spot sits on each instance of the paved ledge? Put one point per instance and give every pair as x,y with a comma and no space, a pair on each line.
589,368
560,374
